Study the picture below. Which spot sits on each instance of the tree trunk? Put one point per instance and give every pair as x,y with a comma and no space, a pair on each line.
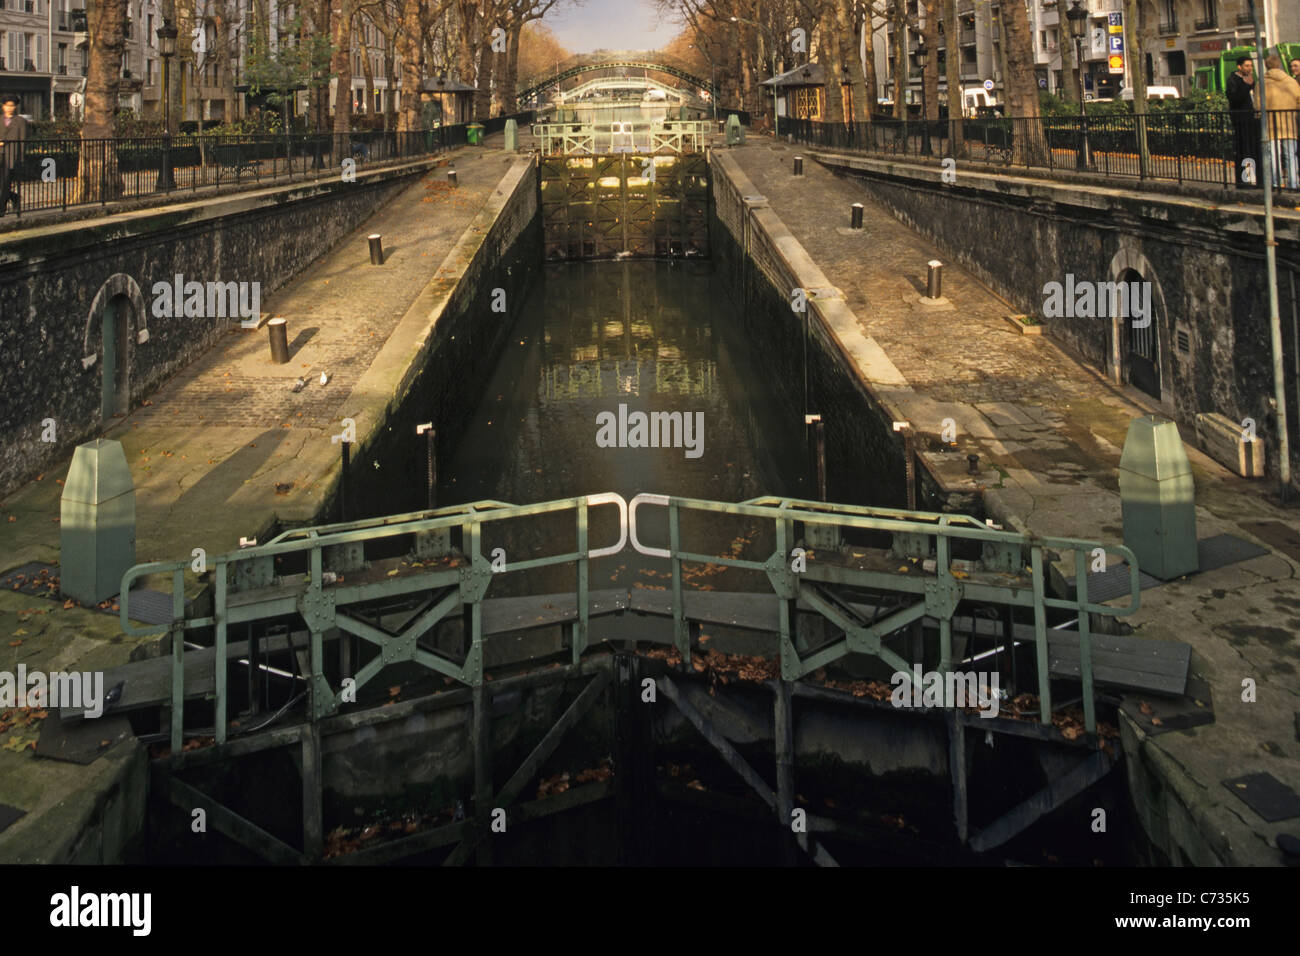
829,55
1069,91
956,99
851,35
510,75
368,71
341,67
1020,84
930,73
412,49
1137,66
98,177
898,16
483,81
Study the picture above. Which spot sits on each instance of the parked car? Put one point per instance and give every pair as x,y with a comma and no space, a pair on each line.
1153,93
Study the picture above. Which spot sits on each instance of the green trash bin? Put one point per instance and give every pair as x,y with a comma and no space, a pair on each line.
474,134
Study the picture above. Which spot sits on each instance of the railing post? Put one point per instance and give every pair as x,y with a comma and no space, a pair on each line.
681,631
1040,636
1085,641
219,660
178,661
584,570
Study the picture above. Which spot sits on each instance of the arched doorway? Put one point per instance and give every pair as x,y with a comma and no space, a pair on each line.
115,364
1140,342
118,307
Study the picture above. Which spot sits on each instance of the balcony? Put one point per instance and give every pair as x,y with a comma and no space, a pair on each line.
1245,19
29,66
1209,23
63,69
1168,27
77,21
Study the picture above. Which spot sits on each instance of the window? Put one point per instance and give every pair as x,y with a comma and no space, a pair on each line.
61,65
1209,19
38,55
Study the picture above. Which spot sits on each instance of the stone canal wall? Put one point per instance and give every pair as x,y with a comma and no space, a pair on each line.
1204,260
850,381
56,283
436,362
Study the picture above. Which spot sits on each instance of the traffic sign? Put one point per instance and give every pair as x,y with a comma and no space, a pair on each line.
988,85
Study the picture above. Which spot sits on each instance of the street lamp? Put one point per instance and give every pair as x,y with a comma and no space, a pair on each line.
776,119
922,56
1078,17
167,34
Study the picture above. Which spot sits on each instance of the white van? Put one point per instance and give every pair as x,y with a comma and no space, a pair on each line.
975,98
1153,93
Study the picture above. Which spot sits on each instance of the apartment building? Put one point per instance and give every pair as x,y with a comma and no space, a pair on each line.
44,48
1181,35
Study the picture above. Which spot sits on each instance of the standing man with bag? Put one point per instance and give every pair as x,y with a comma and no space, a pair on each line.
13,135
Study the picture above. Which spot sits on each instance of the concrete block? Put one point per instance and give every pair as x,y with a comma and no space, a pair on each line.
1223,440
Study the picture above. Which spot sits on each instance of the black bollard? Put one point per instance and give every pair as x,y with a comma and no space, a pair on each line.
278,330
798,165
855,221
974,462
376,249
451,177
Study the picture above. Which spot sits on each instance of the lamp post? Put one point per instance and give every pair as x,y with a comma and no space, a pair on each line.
167,34
776,119
1078,17
922,56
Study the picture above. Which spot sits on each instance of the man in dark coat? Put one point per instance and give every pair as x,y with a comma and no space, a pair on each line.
1245,124
13,136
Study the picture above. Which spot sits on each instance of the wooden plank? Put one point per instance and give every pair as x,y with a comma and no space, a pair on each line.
1058,791
719,742
228,823
404,846
545,747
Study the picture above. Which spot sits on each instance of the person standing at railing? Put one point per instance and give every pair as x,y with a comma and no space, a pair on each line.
1245,124
13,134
1283,99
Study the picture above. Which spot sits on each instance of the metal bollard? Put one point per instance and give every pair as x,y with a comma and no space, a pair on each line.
376,249
278,330
855,220
451,177
974,461
934,285
798,165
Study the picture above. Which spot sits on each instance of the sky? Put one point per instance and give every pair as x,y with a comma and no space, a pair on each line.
610,25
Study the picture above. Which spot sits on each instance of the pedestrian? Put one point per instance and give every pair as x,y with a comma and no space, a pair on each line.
1295,69
1245,124
13,134
1282,93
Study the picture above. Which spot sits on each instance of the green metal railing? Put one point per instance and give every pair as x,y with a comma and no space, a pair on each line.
1011,571
245,588
915,534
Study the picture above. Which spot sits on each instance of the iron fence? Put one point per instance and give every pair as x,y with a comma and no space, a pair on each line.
1203,147
63,173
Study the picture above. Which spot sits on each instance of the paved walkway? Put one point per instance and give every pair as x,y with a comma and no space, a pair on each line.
222,450
1049,431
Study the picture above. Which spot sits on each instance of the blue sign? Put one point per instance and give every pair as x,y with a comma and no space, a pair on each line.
1117,43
